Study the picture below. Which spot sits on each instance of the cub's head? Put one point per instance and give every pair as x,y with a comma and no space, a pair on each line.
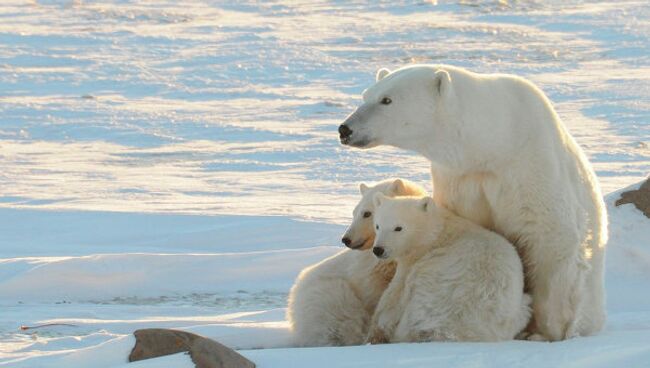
401,223
398,110
361,234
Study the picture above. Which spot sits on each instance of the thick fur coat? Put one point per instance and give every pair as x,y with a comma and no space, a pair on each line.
501,157
332,301
455,281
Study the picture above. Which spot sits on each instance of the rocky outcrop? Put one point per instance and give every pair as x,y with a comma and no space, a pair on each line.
640,198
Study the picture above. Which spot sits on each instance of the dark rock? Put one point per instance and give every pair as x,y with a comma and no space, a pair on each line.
205,353
640,198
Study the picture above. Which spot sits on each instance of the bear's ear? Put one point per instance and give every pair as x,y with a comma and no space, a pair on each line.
381,73
426,204
378,199
441,81
363,188
398,187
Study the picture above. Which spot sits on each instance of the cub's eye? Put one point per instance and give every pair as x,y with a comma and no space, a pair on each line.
367,214
398,228
386,101
377,227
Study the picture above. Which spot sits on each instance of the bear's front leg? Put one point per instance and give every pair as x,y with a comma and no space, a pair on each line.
557,276
377,333
387,313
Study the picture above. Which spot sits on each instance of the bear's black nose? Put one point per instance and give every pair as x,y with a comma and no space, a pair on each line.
346,241
378,251
344,131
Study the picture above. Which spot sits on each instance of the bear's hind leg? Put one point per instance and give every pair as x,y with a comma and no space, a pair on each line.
330,314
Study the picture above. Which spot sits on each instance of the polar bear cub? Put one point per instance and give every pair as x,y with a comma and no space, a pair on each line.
455,281
332,301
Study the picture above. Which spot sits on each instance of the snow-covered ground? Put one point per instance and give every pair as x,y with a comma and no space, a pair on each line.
168,164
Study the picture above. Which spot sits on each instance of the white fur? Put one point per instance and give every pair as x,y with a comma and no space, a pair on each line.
501,157
455,281
332,301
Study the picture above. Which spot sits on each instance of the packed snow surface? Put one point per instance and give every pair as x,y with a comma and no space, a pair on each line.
176,164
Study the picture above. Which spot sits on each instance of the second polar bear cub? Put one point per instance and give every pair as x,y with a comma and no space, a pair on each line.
455,281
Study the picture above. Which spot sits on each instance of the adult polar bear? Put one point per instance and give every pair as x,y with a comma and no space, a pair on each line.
501,157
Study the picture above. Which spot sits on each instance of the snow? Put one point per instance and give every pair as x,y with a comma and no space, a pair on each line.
176,165
238,299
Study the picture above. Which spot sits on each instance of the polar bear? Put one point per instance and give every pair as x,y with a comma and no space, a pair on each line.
332,301
455,281
501,157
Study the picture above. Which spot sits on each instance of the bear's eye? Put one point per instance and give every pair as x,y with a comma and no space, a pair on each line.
367,214
386,101
398,228
377,227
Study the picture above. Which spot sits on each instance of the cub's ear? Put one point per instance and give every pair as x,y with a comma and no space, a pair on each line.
441,81
398,187
426,204
363,188
378,199
381,73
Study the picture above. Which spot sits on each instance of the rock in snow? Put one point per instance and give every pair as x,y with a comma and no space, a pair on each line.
205,353
639,197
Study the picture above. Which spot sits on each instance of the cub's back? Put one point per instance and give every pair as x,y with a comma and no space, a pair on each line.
476,258
468,290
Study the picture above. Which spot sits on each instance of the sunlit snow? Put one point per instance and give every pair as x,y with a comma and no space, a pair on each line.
175,164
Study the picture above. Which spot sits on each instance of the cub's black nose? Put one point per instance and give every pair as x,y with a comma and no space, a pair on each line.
344,131
378,251
346,241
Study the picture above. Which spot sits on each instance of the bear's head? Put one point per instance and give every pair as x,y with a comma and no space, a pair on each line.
401,109
402,224
361,234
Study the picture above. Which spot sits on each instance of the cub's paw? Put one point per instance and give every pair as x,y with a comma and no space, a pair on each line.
523,335
537,337
377,336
